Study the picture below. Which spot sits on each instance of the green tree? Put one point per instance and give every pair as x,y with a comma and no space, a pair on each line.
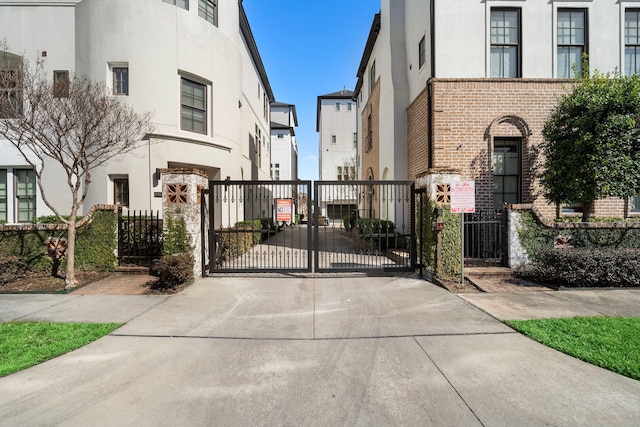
592,141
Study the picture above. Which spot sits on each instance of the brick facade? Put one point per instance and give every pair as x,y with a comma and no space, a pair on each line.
468,114
371,152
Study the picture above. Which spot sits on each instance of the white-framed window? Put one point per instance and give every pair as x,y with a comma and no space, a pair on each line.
631,41
120,76
281,136
208,10
349,106
572,41
334,139
339,173
505,42
337,106
61,83
25,193
355,140
121,190
193,106
422,53
180,3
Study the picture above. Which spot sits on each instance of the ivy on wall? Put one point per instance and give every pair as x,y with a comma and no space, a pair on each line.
450,249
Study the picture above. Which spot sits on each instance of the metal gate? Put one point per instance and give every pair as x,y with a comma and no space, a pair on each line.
273,226
485,238
364,226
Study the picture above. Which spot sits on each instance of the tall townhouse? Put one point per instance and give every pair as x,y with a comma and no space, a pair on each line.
336,123
461,89
193,63
284,147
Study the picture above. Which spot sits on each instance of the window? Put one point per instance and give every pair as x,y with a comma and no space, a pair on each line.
180,3
422,53
349,106
337,106
281,136
572,41
193,109
631,41
634,203
505,42
61,84
355,140
10,89
121,191
368,140
25,194
372,76
121,80
208,10
506,171
275,172
572,207
3,196
339,174
334,139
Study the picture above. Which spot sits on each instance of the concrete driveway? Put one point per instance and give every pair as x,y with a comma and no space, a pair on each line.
305,351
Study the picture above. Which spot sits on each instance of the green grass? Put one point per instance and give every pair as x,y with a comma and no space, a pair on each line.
24,344
608,342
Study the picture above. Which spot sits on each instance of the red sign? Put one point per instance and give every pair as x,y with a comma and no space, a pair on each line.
463,197
284,210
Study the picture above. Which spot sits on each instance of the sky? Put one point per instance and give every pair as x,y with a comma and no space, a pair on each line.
310,48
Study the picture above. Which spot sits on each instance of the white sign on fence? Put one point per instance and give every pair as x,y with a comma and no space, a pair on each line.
463,197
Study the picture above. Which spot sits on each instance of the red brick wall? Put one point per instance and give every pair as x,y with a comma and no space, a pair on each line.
468,114
371,158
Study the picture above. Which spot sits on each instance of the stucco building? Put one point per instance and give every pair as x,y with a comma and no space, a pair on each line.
450,90
284,147
193,64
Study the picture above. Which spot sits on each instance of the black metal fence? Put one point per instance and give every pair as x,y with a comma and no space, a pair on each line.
485,238
139,238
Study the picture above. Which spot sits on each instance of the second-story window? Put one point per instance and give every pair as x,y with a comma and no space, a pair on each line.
180,3
505,42
193,106
337,106
631,41
572,41
372,76
121,80
61,84
208,9
422,53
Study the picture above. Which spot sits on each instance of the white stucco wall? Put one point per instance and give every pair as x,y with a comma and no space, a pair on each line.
342,124
160,43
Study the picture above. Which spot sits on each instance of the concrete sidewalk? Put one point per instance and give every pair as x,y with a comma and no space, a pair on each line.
315,351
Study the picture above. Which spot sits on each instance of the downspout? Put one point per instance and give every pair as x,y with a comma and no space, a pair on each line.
432,30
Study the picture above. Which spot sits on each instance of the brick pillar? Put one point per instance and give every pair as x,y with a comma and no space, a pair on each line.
181,192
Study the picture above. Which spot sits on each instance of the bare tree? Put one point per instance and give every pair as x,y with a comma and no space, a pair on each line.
72,122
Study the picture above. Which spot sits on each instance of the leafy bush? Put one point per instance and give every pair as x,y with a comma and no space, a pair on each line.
10,268
29,247
372,225
97,242
172,270
589,267
175,237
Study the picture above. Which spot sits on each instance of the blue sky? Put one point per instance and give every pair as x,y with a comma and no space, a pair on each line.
310,48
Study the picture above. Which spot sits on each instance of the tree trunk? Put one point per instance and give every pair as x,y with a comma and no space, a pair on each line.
70,272
586,210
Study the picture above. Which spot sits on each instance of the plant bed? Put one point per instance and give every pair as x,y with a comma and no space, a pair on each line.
43,282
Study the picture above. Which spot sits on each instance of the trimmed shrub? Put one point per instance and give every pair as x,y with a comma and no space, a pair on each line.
97,242
172,270
582,267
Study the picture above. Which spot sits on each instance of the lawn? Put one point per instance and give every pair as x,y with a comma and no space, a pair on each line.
608,342
24,344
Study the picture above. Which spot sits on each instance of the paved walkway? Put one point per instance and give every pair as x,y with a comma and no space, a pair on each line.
315,351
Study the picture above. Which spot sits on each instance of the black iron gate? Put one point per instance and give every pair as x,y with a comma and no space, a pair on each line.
364,226
139,238
267,226
485,238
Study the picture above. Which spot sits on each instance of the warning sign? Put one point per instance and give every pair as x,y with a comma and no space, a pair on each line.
463,197
284,210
